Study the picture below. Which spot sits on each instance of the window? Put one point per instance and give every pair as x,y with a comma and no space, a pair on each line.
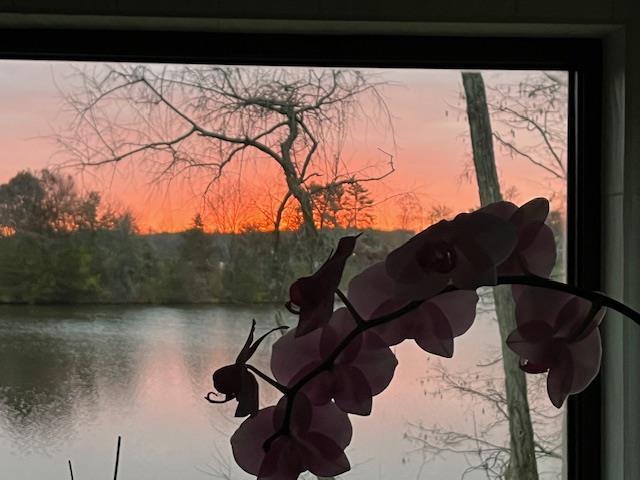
81,375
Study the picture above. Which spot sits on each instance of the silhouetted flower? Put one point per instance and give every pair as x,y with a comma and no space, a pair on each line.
312,297
558,332
236,381
433,325
315,441
362,370
463,252
535,252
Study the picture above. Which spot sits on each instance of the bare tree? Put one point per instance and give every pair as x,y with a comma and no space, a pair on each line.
522,462
227,206
517,431
439,211
410,212
199,120
530,120
486,447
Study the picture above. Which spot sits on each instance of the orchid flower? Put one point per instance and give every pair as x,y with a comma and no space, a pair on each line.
236,381
558,333
361,371
312,297
463,253
315,441
433,324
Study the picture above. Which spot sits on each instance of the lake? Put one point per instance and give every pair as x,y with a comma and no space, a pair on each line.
73,378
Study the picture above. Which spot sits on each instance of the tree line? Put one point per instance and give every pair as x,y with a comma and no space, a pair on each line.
58,245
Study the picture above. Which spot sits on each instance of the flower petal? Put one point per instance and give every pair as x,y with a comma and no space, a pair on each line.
586,356
534,211
247,441
485,239
352,392
291,354
538,254
322,456
533,342
282,461
560,379
370,289
503,210
540,305
435,335
248,396
459,307
332,422
314,295
376,361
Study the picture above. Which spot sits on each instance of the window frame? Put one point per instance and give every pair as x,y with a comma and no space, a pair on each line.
581,57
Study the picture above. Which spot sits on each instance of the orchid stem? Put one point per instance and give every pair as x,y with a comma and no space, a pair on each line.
595,297
278,386
352,310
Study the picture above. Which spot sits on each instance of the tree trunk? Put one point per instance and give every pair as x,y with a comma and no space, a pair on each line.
522,464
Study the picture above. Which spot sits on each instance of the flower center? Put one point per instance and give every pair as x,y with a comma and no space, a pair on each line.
437,257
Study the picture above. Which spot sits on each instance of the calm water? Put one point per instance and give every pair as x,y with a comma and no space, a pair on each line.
74,378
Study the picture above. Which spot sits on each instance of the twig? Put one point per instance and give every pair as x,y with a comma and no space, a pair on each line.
115,473
70,470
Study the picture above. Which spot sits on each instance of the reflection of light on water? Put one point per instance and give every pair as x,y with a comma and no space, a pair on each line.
142,373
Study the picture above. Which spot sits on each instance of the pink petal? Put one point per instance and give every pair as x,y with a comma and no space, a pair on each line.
322,456
586,356
301,415
559,379
376,361
539,254
429,285
352,392
571,317
534,211
469,275
291,354
503,210
540,305
399,329
459,307
248,440
248,395
533,342
370,289
530,367
338,328
332,422
435,335
410,279
228,380
282,462
314,295
595,322
401,263
485,239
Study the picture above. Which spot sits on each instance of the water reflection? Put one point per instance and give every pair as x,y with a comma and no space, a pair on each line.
70,375
74,378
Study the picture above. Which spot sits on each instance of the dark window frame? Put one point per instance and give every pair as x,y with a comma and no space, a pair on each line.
581,57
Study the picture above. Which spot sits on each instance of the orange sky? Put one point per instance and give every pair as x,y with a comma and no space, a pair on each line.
430,153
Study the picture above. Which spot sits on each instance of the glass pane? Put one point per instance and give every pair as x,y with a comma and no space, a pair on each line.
138,213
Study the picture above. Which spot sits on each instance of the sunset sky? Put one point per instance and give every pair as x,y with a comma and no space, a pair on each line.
431,151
